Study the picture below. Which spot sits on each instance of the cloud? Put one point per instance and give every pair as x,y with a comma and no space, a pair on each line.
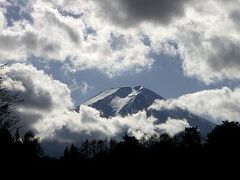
83,87
174,126
88,124
131,13
69,127
39,94
78,42
209,51
84,34
210,59
2,19
217,104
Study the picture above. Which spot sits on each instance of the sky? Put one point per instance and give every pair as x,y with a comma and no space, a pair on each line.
63,52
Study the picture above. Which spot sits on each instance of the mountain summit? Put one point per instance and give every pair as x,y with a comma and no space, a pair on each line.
123,101
130,100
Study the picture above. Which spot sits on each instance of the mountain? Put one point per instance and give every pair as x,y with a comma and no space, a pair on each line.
127,100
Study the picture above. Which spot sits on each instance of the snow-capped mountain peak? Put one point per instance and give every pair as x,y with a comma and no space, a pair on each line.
118,103
123,101
131,100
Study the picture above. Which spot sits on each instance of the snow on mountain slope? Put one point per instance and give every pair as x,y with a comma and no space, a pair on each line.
101,96
123,101
127,100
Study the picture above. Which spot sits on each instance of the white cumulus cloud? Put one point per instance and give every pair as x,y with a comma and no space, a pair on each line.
217,104
88,124
38,93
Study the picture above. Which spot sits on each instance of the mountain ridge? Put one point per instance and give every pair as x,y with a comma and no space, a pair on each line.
123,101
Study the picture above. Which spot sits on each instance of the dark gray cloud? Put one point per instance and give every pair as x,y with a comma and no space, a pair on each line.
235,17
132,12
225,54
28,44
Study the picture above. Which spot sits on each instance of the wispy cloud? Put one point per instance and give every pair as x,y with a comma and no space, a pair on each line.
83,87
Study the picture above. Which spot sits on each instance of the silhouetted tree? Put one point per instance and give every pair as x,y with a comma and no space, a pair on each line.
225,137
6,141
7,119
130,141
73,152
161,147
86,149
17,138
165,139
93,148
66,153
113,144
151,141
5,137
101,147
129,148
191,138
32,149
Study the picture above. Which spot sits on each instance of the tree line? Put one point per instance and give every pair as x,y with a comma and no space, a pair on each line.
188,147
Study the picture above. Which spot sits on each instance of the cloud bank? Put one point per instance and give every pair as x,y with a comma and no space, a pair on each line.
77,39
82,34
131,13
88,124
216,104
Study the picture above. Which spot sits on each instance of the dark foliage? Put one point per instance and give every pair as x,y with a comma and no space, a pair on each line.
7,119
14,148
186,150
225,137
